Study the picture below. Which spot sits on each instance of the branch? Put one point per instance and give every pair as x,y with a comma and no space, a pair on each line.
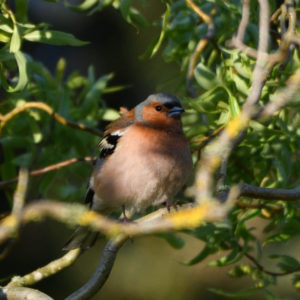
237,41
49,168
188,216
101,274
22,293
251,191
19,196
43,106
275,208
244,21
46,271
283,97
261,268
203,42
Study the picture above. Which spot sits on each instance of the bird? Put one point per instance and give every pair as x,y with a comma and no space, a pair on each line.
144,160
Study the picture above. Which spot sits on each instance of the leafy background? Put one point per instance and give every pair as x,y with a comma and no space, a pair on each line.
116,60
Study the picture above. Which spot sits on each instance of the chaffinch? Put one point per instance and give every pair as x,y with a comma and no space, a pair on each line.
145,160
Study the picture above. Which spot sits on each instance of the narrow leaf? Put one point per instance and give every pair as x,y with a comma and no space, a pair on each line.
15,41
173,240
84,6
152,50
53,37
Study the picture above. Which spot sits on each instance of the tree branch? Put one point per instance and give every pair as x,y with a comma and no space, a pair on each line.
251,191
49,168
188,216
22,293
46,271
43,106
261,268
203,42
101,273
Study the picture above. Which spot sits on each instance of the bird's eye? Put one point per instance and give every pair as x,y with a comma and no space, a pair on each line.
158,108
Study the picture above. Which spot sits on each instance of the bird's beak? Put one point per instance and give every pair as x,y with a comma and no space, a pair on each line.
175,111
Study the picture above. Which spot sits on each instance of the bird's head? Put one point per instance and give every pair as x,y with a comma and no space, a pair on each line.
160,111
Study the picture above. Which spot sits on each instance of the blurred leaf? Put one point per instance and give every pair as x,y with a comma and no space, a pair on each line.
85,5
125,9
15,42
277,238
94,93
296,281
155,45
240,270
22,78
110,115
206,251
23,160
233,104
60,69
173,239
234,256
21,10
287,263
53,37
244,293
205,77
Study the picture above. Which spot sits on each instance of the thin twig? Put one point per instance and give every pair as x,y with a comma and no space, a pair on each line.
203,42
244,21
43,106
237,41
49,168
263,269
245,205
209,137
20,193
41,273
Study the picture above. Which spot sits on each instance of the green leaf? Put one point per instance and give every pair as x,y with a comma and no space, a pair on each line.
125,9
287,263
155,45
234,256
206,251
60,69
233,104
23,160
53,37
296,281
15,42
23,77
137,18
94,93
244,293
101,4
21,10
85,5
277,238
173,239
205,77
241,270
110,115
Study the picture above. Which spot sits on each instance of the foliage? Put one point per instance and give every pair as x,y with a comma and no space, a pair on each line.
267,156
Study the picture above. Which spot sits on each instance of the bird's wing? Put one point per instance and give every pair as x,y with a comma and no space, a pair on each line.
108,145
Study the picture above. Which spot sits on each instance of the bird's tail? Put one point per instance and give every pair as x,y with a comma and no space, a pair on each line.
82,238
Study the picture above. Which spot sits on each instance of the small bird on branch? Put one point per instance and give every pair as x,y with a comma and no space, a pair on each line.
144,160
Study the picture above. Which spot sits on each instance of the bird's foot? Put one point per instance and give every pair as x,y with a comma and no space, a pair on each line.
170,204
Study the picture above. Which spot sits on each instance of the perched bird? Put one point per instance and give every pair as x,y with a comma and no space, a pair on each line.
144,160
